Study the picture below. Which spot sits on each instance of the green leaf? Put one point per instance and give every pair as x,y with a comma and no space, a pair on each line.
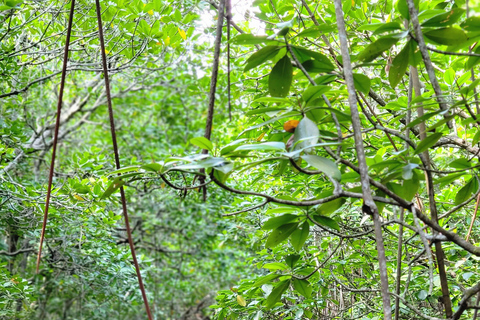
291,260
386,27
407,171
329,207
280,78
276,294
276,222
447,36
471,24
473,61
250,39
306,135
423,118
280,234
476,138
314,92
325,165
444,19
275,266
202,143
449,76
265,146
361,82
299,236
261,56
466,191
314,66
461,163
321,62
124,169
154,167
376,48
266,279
303,287
428,142
326,221
399,66
414,55
316,31
114,186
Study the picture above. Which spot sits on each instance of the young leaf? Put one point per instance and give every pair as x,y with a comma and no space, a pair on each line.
276,294
447,36
299,236
428,142
262,55
303,287
399,66
375,49
203,143
325,165
241,300
280,234
280,78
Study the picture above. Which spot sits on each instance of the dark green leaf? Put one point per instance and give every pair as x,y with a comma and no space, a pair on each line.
447,36
250,39
444,19
389,26
414,55
276,222
375,49
280,78
471,24
361,82
299,236
314,92
326,221
280,234
292,259
114,186
266,279
466,191
303,287
261,56
473,61
276,294
327,208
399,66
428,142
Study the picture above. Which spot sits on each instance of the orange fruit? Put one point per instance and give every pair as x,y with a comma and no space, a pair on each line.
290,125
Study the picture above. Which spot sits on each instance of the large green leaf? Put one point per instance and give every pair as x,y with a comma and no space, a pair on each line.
473,61
303,287
250,39
276,294
306,135
327,208
326,221
299,236
471,24
466,191
280,234
428,142
203,143
444,19
361,82
265,146
280,78
325,165
266,279
399,66
276,222
261,56
376,48
314,92
447,36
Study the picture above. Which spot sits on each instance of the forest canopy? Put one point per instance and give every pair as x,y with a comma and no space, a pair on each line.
230,159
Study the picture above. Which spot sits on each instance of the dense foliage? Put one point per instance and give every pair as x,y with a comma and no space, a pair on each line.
297,208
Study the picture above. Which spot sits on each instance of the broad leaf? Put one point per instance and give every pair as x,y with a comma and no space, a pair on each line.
325,165
276,294
327,208
299,236
303,287
399,66
280,234
361,82
428,142
326,221
444,19
466,191
203,143
280,78
306,135
276,222
265,146
375,49
447,36
261,56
